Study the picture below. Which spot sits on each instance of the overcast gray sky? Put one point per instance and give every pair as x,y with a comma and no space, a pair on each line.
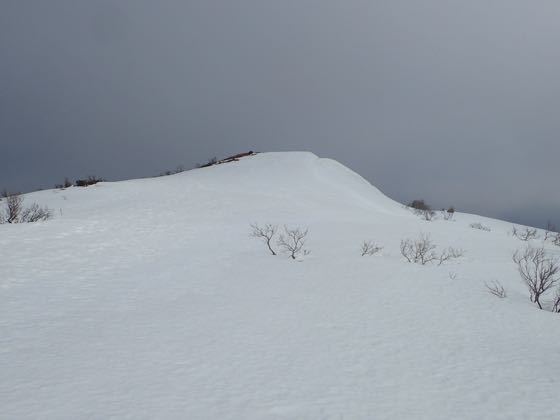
456,102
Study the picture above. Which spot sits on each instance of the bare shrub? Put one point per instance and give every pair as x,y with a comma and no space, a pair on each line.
66,184
177,170
370,248
496,289
236,157
266,234
407,250
90,180
34,213
553,237
419,205
14,205
422,251
449,213
422,209
15,212
538,271
480,226
210,162
549,231
292,241
552,234
427,215
229,159
524,234
419,251
450,253
556,302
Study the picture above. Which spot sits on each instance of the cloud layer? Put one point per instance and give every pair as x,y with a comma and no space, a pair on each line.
454,102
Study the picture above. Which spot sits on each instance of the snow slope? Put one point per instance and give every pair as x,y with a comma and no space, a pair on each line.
149,299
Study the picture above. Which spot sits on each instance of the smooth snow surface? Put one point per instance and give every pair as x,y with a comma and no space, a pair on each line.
149,299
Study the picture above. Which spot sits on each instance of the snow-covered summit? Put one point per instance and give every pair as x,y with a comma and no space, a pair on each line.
149,299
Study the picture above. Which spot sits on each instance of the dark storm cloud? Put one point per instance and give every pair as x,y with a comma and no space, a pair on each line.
456,102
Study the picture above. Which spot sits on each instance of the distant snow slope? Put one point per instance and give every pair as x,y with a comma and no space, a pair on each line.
149,299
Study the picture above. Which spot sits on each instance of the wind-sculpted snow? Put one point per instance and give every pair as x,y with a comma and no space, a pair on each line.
150,299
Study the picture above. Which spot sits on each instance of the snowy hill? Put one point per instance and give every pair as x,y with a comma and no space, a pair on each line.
149,299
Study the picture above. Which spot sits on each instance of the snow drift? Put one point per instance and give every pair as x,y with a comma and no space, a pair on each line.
149,299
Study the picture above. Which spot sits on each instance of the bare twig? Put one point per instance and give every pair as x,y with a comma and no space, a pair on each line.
34,213
266,234
14,205
15,212
450,254
524,234
538,271
556,302
480,226
427,214
552,234
370,248
420,251
292,241
496,289
449,213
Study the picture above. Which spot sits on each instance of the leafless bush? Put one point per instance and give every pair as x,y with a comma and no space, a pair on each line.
496,289
177,170
266,234
210,162
549,231
480,226
554,237
370,248
90,180
538,271
422,251
552,234
292,241
15,212
449,213
422,209
34,213
556,302
427,215
419,205
524,234
14,205
67,183
450,254
419,251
